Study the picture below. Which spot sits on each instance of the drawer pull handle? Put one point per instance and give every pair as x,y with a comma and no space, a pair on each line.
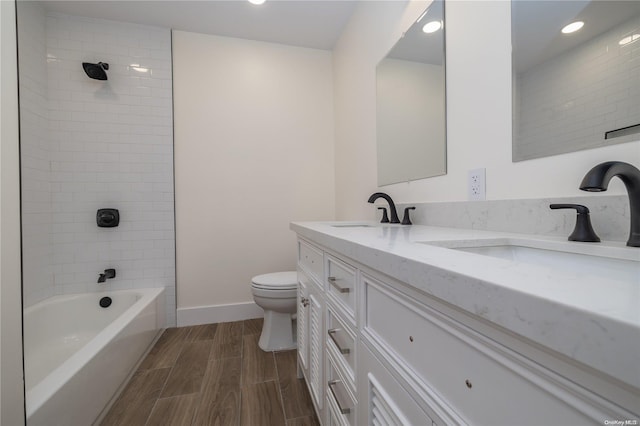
334,282
332,333
342,407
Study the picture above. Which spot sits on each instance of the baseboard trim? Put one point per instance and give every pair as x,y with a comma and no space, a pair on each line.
218,313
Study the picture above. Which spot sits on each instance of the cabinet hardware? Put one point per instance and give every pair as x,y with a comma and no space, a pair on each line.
342,407
333,282
332,333
468,383
411,338
304,301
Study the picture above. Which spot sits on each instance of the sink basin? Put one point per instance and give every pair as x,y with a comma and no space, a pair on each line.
597,261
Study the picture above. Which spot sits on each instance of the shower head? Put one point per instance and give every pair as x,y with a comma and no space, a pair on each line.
96,71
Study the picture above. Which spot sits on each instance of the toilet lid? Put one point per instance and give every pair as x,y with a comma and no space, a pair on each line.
276,280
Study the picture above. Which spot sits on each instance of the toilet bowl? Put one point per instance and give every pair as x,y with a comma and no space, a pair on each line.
276,293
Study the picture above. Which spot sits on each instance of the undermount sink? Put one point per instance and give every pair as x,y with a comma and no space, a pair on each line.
597,261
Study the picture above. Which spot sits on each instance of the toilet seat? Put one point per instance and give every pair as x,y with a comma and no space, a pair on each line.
276,281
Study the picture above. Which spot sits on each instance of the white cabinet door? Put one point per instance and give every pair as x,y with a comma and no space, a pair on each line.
303,326
316,349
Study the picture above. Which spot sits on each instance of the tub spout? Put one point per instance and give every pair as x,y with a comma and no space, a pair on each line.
108,273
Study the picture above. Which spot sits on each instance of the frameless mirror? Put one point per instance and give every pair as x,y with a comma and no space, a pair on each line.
410,103
575,87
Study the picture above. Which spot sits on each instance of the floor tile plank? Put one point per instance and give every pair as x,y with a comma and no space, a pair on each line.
295,394
220,394
261,405
137,399
166,350
304,421
188,372
174,411
253,326
227,342
257,365
202,332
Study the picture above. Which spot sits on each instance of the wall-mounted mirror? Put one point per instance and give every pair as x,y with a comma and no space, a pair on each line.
410,102
575,87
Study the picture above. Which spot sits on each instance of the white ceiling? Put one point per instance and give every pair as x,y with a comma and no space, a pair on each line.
306,23
416,46
536,25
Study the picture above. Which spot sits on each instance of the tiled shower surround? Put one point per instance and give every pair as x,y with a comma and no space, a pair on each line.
556,112
106,144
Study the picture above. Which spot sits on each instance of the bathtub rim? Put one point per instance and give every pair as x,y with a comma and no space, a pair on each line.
39,394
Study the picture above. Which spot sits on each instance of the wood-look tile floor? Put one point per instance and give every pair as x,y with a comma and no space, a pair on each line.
214,374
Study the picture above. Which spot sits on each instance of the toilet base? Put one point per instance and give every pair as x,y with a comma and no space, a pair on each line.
278,332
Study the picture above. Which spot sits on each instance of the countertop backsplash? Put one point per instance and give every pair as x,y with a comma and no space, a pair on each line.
610,215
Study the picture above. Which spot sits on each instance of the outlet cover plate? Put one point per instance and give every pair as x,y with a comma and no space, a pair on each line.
476,185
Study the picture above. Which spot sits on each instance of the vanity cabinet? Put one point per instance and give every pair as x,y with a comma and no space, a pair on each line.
387,354
310,331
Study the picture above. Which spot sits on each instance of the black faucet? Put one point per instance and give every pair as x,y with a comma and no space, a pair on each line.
392,206
108,273
597,179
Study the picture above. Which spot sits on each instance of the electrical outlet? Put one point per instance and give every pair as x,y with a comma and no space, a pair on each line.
477,184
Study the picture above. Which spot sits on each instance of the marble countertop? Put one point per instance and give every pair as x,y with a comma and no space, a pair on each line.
595,321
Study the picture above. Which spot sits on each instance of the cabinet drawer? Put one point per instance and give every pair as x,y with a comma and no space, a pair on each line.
334,417
310,259
341,283
388,402
340,400
342,343
478,379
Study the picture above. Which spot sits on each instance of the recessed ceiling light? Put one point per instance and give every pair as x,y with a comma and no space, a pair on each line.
629,39
256,1
572,27
432,27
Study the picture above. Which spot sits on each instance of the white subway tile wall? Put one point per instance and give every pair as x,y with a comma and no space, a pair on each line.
35,154
110,146
570,99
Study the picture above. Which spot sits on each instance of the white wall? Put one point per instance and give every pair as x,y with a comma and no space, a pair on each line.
11,379
478,61
253,152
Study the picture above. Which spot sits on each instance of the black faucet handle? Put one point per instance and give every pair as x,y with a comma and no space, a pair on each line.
385,218
577,207
583,230
406,220
109,273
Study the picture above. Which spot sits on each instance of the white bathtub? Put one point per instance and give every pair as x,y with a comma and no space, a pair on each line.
78,354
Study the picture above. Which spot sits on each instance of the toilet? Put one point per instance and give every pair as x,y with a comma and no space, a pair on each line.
276,293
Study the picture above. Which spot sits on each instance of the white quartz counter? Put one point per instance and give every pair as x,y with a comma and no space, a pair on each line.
592,320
